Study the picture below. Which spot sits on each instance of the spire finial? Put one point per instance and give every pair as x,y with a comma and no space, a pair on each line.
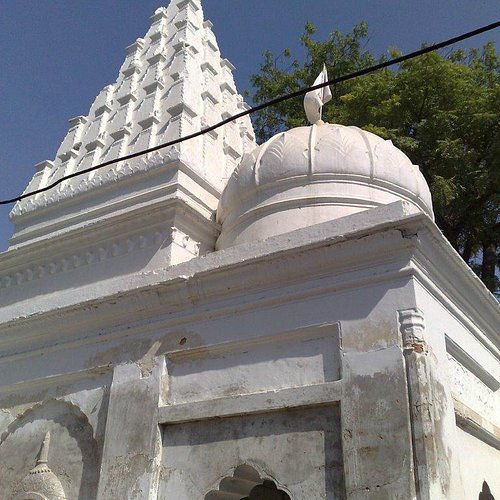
43,456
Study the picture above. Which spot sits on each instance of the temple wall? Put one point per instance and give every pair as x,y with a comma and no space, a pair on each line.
325,371
468,370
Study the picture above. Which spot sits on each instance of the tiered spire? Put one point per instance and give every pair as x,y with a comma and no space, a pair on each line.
172,83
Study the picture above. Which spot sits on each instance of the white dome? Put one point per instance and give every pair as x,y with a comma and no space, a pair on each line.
41,483
309,175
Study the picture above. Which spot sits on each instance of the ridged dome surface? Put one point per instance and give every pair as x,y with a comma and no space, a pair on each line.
309,175
41,482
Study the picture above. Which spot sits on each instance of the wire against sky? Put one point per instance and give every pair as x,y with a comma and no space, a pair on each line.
273,102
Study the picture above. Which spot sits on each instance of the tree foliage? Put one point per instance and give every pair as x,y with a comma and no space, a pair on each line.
443,111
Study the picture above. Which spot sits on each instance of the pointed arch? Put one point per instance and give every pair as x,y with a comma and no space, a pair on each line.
246,484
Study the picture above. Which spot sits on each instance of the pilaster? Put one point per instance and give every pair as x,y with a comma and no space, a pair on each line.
132,447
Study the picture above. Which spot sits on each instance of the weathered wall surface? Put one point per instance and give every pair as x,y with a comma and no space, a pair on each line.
467,370
299,450
295,363
75,421
479,463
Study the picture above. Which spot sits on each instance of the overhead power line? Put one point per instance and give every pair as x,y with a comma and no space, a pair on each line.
350,76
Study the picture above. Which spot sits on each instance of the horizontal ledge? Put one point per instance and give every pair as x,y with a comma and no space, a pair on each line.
261,402
471,364
55,380
472,423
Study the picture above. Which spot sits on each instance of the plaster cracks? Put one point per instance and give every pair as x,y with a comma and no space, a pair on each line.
130,469
471,391
132,449
429,404
412,329
161,368
149,361
6,419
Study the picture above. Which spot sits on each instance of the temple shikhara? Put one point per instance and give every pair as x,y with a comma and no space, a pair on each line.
221,320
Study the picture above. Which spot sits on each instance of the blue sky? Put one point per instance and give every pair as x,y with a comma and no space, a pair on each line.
56,55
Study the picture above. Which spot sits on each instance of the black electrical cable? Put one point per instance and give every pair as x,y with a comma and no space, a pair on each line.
273,102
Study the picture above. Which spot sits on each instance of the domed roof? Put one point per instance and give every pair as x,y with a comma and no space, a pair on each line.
41,482
309,175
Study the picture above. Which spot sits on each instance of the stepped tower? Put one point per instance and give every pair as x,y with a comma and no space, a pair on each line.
172,83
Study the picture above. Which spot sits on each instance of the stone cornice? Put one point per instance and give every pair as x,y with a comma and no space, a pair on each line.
442,271
292,260
111,238
156,184
89,182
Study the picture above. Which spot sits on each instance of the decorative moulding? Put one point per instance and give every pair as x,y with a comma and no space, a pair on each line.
94,254
149,121
239,271
105,108
412,327
82,245
229,87
120,133
43,165
471,364
225,63
77,120
160,13
125,99
178,27
72,153
155,37
101,178
157,84
134,67
135,47
188,3
156,58
450,276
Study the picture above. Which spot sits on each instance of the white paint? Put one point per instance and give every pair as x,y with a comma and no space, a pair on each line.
313,174
316,351
173,82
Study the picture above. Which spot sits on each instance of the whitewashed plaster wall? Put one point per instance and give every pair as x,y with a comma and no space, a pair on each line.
479,464
468,356
160,367
270,338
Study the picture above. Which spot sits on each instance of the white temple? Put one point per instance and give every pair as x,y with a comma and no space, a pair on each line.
219,320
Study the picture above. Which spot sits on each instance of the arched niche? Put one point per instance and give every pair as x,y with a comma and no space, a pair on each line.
74,455
246,484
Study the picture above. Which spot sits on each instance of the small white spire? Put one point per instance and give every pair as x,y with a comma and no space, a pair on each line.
43,456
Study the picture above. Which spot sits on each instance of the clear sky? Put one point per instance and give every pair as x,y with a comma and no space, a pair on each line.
56,55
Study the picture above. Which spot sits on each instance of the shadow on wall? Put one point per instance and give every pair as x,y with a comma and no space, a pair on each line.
486,493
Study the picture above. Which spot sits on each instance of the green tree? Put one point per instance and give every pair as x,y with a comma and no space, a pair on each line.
443,111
